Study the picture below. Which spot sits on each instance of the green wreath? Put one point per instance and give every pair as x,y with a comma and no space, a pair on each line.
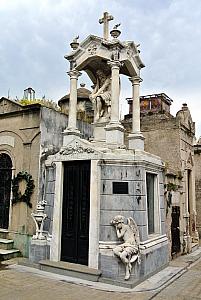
17,196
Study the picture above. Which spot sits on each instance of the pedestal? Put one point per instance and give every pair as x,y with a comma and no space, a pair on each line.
69,134
115,134
136,141
99,131
39,250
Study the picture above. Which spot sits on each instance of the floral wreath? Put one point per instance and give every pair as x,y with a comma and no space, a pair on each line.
17,196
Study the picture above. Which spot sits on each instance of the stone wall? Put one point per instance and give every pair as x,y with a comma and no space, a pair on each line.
154,254
20,139
52,125
171,138
127,205
197,160
49,198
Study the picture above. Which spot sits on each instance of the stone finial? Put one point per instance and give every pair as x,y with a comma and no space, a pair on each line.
184,106
75,44
115,32
105,21
39,217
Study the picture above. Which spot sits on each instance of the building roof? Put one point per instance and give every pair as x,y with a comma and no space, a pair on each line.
161,95
82,93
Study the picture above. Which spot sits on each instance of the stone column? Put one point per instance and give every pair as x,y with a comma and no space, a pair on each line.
72,117
136,139
115,91
114,130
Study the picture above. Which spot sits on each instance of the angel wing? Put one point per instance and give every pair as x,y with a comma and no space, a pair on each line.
132,224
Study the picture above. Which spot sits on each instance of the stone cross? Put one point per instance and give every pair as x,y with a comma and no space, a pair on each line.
105,21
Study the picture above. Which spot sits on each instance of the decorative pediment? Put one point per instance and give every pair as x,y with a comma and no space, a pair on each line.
7,105
78,149
75,149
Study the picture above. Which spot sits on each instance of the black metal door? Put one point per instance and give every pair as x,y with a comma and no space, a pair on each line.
175,229
75,214
5,188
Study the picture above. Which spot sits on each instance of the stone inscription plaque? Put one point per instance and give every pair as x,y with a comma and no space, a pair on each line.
120,187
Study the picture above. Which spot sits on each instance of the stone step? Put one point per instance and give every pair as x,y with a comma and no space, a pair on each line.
6,244
8,254
195,246
70,269
3,233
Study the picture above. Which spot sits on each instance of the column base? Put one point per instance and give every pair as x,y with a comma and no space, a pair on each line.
136,141
114,134
69,135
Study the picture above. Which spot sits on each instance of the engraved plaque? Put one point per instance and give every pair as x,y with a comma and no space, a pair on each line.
120,187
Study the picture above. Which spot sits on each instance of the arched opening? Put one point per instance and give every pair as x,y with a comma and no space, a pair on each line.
5,189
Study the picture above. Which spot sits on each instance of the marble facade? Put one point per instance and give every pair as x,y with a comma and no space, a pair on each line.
112,164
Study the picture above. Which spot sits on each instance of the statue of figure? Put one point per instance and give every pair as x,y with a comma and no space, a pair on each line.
129,251
101,96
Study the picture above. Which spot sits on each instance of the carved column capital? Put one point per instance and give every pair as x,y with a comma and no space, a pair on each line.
115,64
74,74
135,80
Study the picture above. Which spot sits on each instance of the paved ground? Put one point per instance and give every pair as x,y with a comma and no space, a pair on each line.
22,283
188,286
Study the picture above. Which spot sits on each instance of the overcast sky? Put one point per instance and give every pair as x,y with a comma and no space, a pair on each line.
35,36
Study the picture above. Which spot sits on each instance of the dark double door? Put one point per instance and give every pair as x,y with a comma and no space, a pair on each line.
175,230
5,189
75,213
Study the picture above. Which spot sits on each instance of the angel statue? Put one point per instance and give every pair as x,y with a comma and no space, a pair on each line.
129,251
101,96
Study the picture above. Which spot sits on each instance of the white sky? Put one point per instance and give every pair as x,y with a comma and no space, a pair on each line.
35,36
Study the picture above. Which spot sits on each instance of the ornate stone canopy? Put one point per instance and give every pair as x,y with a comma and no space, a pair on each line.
104,59
94,53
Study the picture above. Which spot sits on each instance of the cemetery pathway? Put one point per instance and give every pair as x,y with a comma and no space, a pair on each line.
21,283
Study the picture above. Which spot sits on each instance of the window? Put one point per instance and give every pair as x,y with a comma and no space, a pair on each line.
152,203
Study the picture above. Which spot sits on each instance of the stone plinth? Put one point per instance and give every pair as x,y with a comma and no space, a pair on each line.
114,134
39,250
136,141
99,131
69,135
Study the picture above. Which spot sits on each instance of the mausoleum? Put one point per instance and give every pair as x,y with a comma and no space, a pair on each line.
103,203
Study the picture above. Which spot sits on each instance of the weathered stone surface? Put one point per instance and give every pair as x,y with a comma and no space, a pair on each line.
122,202
50,187
39,250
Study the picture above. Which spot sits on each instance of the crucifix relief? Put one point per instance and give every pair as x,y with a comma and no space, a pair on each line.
105,21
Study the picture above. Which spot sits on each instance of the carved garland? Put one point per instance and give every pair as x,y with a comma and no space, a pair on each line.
17,196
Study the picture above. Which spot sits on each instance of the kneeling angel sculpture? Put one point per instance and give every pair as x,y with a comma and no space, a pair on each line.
129,251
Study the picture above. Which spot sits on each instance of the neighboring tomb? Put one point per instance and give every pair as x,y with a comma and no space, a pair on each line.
197,162
28,134
172,139
84,104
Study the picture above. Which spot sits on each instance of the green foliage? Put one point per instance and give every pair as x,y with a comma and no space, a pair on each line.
43,102
17,196
171,186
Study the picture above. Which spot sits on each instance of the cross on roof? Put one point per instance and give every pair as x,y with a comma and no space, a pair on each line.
105,21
